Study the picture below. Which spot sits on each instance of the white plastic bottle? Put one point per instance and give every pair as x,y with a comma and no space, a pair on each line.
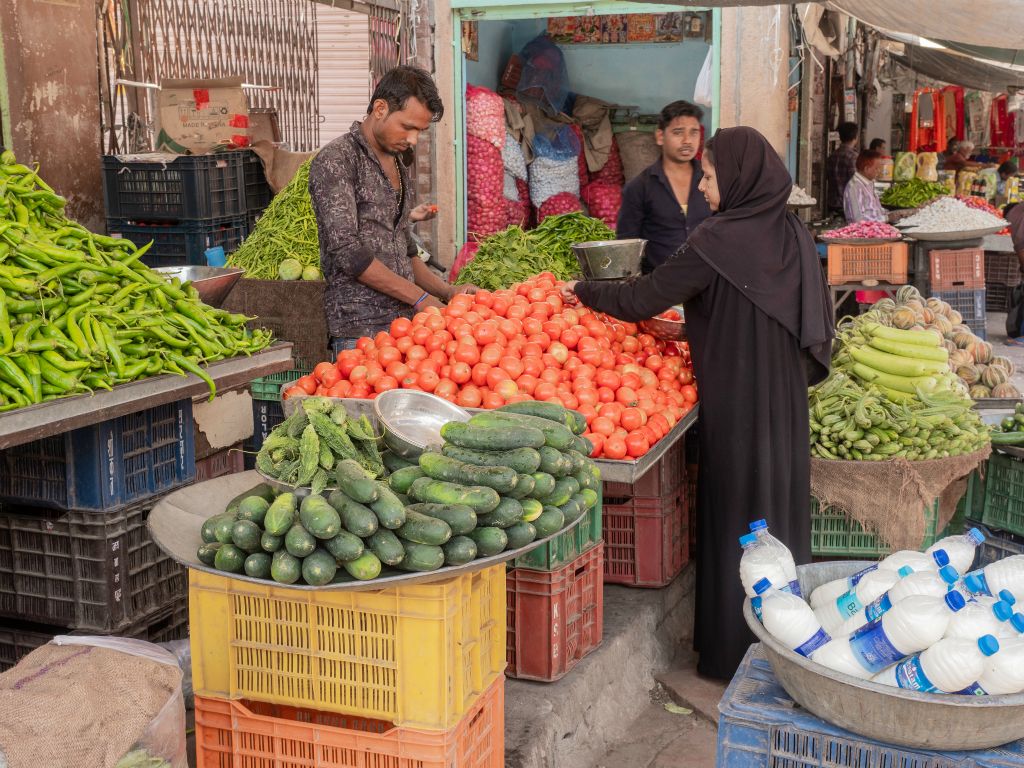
961,549
978,619
849,604
760,529
759,562
911,626
949,666
1004,672
934,584
1007,574
789,619
915,561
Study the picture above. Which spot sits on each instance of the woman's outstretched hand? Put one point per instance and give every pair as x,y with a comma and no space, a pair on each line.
569,292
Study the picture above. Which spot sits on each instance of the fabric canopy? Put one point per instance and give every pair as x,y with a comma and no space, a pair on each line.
1001,55
959,70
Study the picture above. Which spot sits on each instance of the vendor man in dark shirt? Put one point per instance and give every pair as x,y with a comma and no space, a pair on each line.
363,205
662,205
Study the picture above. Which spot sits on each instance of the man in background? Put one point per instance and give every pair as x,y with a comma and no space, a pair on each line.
841,165
880,146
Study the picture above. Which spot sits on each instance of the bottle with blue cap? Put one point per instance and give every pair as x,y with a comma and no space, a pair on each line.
909,627
1004,672
1007,574
933,583
952,665
760,529
832,615
978,619
1017,622
759,562
915,561
789,619
962,549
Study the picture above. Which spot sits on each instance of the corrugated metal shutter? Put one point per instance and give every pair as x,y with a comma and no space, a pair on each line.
343,43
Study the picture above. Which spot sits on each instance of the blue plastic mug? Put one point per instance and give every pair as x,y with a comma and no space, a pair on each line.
215,256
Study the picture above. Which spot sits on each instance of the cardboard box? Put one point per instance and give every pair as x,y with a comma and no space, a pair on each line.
198,116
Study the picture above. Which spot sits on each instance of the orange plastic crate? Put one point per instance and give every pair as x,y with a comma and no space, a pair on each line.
246,734
954,270
886,262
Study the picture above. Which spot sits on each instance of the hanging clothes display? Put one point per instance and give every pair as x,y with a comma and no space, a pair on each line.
976,112
1001,121
953,103
927,122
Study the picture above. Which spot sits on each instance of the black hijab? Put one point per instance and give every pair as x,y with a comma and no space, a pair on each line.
764,251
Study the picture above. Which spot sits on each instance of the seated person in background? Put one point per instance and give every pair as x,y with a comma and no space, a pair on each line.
1006,171
958,156
880,146
860,201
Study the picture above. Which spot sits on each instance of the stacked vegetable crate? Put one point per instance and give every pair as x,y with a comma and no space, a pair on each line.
886,262
646,524
1002,275
1003,506
75,554
408,676
184,205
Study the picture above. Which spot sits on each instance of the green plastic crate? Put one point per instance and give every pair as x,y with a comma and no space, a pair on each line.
1004,494
566,547
833,534
972,505
269,387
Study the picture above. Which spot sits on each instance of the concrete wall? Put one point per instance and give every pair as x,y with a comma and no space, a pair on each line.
50,55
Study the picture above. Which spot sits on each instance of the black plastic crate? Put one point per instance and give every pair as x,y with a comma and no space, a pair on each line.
117,462
257,191
85,570
181,244
1002,269
970,305
190,187
266,414
997,297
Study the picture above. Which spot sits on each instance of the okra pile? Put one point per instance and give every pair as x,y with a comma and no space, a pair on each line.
499,482
81,312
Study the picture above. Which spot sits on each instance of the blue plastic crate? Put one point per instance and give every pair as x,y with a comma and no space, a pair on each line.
182,244
759,725
105,466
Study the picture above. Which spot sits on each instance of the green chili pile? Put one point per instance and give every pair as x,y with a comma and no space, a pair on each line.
514,255
286,231
913,193
81,312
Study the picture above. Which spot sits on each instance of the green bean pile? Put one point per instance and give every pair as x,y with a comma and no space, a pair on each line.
514,255
81,312
286,230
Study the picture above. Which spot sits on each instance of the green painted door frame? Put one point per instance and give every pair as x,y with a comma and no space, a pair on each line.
502,10
5,96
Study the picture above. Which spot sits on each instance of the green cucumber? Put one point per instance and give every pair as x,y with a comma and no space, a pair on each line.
531,509
441,467
245,535
285,568
590,498
520,534
479,498
388,508
582,445
506,514
572,511
524,487
345,546
207,553
356,482
229,558
281,515
253,508
365,567
208,533
423,529
393,462
319,517
587,480
544,485
556,436
574,420
505,438
386,546
565,487
356,518
319,568
223,528
489,541
523,460
257,565
460,519
577,461
554,463
402,480
271,543
422,557
550,522
298,541
264,490
459,550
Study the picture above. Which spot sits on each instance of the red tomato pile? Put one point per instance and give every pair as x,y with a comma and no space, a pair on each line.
525,343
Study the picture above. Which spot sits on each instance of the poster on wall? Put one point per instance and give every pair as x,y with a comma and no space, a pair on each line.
627,28
471,40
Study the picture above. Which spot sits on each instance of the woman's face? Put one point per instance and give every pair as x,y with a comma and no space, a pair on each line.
709,184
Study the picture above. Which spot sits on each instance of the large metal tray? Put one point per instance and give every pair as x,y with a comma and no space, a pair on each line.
176,521
611,471
880,712
951,237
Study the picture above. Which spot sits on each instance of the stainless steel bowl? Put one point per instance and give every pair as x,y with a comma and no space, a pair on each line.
213,283
412,420
299,491
668,330
890,715
610,259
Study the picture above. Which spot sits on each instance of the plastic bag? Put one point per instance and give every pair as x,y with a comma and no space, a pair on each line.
702,89
558,204
545,78
556,141
553,177
485,188
485,115
906,166
512,157
603,201
466,254
182,650
611,173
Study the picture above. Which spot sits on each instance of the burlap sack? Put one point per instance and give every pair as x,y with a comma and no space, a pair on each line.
888,497
279,166
78,704
638,150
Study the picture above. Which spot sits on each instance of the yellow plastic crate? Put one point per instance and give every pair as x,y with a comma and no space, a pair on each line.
418,656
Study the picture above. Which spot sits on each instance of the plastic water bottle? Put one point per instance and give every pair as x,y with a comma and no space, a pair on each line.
915,561
759,562
789,619
760,529
1007,574
931,583
850,603
1004,672
961,549
911,626
950,666
979,619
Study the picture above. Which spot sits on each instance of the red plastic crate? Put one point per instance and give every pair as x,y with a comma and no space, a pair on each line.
665,477
237,733
959,269
225,462
555,618
646,540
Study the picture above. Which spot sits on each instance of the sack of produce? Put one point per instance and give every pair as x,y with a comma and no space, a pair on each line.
96,701
545,78
512,157
638,150
555,167
485,115
611,173
906,166
927,166
581,158
465,255
518,213
559,204
603,201
485,183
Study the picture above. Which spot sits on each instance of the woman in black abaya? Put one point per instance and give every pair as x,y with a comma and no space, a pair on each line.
759,321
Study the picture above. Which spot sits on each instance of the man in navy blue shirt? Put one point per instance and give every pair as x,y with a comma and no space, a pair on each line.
662,205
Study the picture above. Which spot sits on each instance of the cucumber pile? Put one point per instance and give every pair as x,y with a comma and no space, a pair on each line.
500,481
